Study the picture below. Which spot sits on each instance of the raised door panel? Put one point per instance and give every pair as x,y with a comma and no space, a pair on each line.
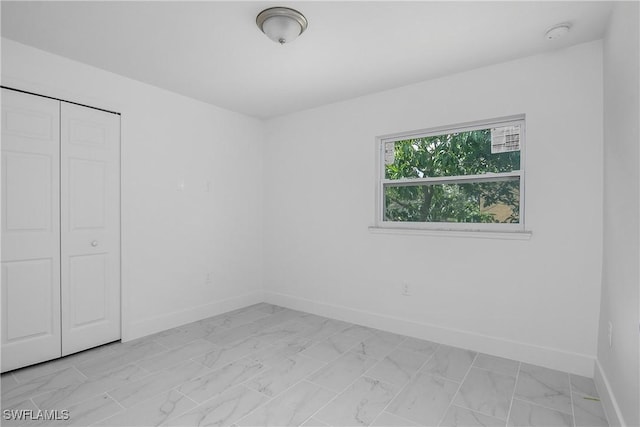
90,147
30,230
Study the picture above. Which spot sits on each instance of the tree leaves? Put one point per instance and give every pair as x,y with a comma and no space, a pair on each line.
455,154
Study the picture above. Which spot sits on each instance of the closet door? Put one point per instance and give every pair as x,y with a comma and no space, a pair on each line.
90,221
30,229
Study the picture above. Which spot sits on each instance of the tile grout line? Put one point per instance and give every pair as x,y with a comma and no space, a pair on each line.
395,415
573,410
444,415
340,393
528,402
172,417
112,415
291,387
477,411
403,386
515,386
271,399
115,400
34,403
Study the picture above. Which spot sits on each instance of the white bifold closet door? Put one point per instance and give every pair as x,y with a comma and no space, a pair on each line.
60,228
30,229
90,227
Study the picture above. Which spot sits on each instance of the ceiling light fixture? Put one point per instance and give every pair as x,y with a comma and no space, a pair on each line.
557,31
281,24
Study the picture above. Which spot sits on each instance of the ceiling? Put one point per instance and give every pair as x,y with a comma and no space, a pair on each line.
214,52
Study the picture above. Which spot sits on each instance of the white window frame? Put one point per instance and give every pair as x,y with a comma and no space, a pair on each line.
487,177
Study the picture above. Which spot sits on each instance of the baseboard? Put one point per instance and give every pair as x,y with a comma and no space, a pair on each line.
580,364
609,402
171,320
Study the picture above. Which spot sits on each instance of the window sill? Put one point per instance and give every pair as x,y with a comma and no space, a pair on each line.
475,234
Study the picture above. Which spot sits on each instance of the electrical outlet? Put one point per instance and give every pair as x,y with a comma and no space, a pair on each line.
406,289
610,334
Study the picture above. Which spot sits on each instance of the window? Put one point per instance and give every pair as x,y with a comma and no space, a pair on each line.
465,177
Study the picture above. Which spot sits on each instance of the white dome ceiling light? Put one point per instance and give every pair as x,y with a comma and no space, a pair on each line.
557,31
281,24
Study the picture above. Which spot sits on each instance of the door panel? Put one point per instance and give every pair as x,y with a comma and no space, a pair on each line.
88,194
28,305
90,245
28,194
88,285
30,230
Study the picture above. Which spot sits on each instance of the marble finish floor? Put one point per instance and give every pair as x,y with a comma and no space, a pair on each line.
270,366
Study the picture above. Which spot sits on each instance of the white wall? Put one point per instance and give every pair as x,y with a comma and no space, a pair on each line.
618,374
535,300
170,239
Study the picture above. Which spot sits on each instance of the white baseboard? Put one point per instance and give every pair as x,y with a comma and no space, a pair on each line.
609,402
152,325
575,363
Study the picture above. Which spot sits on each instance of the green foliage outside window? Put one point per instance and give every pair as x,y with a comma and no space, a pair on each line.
455,154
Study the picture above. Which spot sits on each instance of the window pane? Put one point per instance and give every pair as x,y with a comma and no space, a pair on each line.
480,202
453,154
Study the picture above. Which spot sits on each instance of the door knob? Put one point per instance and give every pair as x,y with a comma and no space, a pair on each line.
94,243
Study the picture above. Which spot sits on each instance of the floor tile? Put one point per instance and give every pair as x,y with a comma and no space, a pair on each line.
279,332
588,411
324,329
338,374
157,383
223,410
228,336
462,417
41,369
179,336
242,318
176,356
387,419
314,422
41,385
545,387
275,353
449,362
399,366
123,355
525,414
17,415
420,346
87,412
424,399
358,332
583,385
291,408
8,381
79,391
378,345
499,365
211,326
486,392
331,348
265,364
284,374
280,317
269,308
358,405
222,356
213,383
153,411
312,319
